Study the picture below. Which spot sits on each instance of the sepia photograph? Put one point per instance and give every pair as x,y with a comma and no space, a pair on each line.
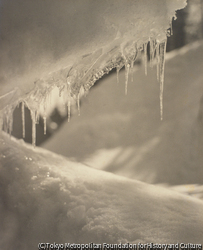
101,115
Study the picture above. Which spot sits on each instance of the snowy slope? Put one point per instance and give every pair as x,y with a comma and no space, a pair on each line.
47,198
124,134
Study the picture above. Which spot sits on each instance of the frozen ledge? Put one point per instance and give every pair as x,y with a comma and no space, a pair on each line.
72,44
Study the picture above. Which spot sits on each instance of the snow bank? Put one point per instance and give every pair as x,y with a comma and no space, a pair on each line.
47,198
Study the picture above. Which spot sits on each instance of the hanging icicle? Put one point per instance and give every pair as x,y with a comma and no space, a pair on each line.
23,118
6,121
69,110
171,27
131,69
162,52
145,58
61,89
1,121
78,103
132,60
33,117
45,125
10,120
69,100
117,74
127,67
157,60
37,116
118,68
152,51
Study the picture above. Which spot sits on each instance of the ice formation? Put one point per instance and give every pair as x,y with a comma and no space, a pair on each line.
79,78
23,118
74,62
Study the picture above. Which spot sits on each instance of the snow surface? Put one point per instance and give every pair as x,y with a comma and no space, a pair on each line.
48,198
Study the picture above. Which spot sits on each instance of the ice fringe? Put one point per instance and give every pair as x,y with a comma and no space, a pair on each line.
74,82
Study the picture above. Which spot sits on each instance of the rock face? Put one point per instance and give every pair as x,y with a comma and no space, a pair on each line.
47,198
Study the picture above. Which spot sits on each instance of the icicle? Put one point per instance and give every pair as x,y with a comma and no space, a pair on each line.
152,51
145,58
171,27
33,117
45,125
131,69
48,98
78,103
127,67
69,99
69,106
64,98
158,60
117,74
61,90
162,64
45,116
6,122
133,60
9,119
151,45
23,118
10,122
1,122
37,117
118,68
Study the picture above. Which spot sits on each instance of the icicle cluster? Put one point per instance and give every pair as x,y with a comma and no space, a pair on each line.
74,82
157,53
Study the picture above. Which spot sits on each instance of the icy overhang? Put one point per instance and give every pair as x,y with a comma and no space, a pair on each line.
42,40
70,44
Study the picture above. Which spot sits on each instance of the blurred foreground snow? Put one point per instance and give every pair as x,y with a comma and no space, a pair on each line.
48,198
